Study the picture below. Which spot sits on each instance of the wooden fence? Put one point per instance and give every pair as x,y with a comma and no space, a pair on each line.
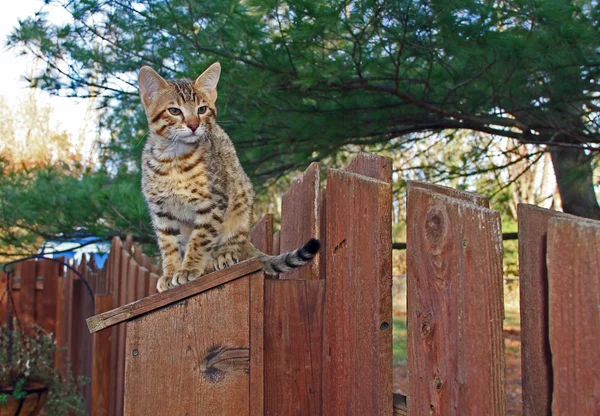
319,340
51,296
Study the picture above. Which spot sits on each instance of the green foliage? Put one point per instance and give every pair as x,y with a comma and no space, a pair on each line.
32,359
302,80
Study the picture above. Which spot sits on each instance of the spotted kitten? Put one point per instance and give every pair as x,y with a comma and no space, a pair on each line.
199,196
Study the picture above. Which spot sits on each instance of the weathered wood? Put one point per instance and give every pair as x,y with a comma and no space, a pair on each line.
26,271
357,373
142,279
262,234
471,197
46,304
293,344
116,395
373,166
3,299
121,329
301,219
101,358
193,356
276,243
574,297
257,335
455,306
536,358
142,306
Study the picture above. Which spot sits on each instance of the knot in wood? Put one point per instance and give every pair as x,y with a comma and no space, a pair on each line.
425,330
435,226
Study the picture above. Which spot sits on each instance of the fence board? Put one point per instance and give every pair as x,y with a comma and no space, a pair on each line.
257,335
536,358
471,197
26,271
101,358
373,166
455,306
300,220
358,315
574,276
293,344
198,333
46,316
3,299
262,234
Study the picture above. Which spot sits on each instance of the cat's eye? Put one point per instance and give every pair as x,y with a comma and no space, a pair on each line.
175,111
202,109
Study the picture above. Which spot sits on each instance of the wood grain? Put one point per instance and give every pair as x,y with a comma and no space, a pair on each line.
357,372
536,358
293,343
300,220
257,336
27,273
471,197
191,357
46,303
373,166
574,298
455,306
262,234
142,306
101,358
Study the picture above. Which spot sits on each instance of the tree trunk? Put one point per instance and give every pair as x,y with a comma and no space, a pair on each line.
574,177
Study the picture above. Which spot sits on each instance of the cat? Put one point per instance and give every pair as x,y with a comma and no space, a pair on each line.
199,197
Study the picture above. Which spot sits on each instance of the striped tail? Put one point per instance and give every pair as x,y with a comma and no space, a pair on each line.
290,260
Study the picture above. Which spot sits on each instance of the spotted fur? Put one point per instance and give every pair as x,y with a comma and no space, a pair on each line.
199,197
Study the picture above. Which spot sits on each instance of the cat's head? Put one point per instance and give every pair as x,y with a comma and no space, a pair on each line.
181,109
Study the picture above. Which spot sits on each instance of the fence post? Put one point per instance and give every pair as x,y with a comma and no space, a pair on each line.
455,305
574,284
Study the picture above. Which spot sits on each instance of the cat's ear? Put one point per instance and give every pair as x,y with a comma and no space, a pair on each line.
209,79
150,83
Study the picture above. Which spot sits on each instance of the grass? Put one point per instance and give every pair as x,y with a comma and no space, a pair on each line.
399,340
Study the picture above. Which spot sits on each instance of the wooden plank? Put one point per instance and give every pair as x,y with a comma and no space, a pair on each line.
371,165
114,278
574,274
276,243
3,300
455,306
132,278
193,356
47,301
142,279
101,358
300,220
62,323
471,197
121,330
27,271
536,358
143,306
357,372
262,234
257,335
293,345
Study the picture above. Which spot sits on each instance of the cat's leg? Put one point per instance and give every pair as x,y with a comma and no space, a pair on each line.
167,233
235,234
202,239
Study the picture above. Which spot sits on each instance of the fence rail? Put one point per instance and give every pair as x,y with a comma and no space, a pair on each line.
320,338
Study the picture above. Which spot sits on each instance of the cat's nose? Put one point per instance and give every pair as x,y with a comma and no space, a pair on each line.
193,127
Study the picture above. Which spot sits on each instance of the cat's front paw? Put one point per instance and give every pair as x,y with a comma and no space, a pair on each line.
185,275
225,259
164,283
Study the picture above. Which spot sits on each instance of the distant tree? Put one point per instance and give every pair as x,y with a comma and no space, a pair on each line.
304,79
